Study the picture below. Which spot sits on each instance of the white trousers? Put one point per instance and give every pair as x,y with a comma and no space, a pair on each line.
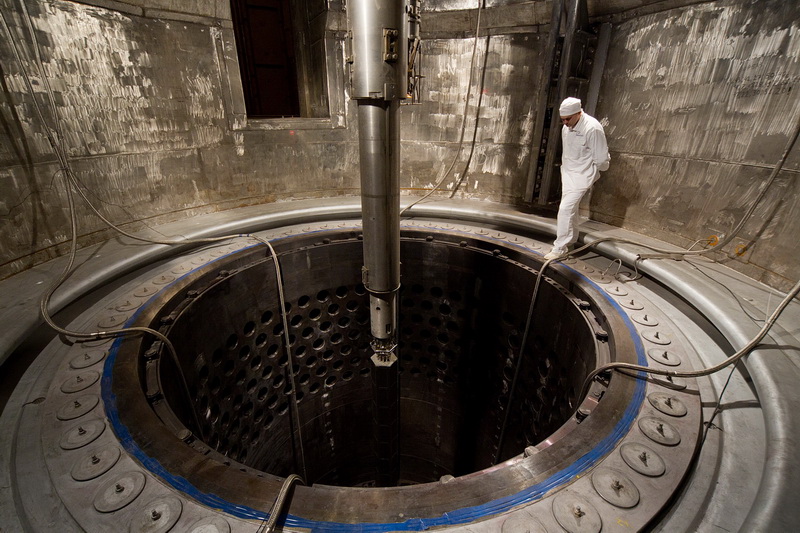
567,219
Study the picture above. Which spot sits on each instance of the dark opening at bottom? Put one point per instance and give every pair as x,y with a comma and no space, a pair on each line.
463,307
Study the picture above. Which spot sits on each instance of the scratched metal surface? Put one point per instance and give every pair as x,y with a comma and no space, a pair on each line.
431,131
145,121
699,103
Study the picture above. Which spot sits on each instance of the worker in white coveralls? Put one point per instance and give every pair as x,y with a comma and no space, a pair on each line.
584,156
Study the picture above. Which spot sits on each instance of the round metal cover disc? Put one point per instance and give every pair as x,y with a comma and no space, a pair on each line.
667,403
144,292
82,434
656,337
659,431
616,290
615,487
113,321
664,357
644,319
82,381
642,459
95,342
522,524
631,304
77,407
163,279
212,524
95,464
129,305
157,516
87,359
119,492
575,514
670,382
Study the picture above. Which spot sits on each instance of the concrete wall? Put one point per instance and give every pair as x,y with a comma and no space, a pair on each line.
150,105
499,101
698,101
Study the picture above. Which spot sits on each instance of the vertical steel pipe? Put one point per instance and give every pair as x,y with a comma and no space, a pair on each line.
380,206
379,45
379,33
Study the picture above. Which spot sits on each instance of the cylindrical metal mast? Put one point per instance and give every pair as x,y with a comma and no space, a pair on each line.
379,48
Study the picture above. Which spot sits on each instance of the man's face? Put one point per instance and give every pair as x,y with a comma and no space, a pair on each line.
571,120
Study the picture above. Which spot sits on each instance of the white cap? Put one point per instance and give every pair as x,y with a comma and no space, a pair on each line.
569,106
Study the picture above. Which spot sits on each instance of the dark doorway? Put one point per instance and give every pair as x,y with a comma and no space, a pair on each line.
265,45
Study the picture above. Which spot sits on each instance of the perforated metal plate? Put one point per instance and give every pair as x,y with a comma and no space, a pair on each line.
243,390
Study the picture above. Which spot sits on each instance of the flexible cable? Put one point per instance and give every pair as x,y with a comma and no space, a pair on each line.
287,348
518,366
463,116
670,254
70,182
717,408
733,294
629,368
269,525
612,366
44,304
477,119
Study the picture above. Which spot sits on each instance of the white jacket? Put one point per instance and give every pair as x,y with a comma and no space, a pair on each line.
584,154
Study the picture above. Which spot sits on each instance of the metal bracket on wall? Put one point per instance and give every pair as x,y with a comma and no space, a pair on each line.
391,39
